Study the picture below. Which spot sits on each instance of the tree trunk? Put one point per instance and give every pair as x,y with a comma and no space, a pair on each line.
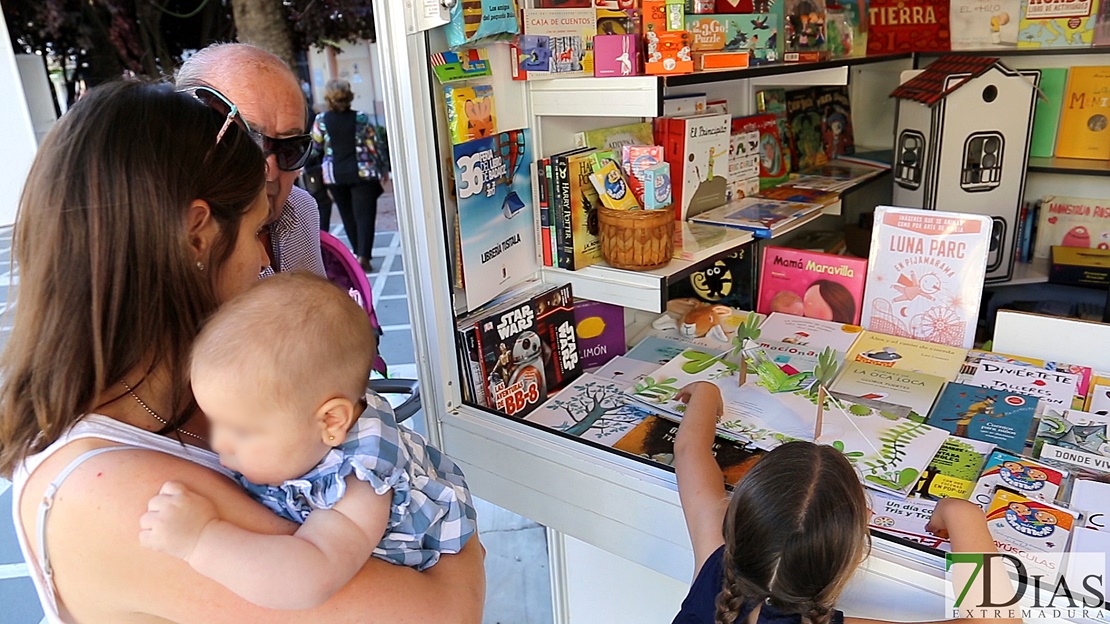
263,23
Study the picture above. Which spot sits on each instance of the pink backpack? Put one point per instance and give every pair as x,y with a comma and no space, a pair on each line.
344,271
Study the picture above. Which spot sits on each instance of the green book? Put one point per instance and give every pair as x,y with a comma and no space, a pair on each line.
1046,116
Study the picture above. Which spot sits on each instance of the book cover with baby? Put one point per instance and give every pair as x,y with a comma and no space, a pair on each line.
925,277
1030,478
1030,529
815,285
1001,417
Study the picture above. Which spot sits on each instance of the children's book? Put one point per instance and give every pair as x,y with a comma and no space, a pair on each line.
954,470
591,408
836,175
846,25
564,4
1030,478
697,150
769,152
528,351
655,350
1098,394
1072,222
451,65
804,30
816,285
1083,120
809,332
654,439
729,280
791,193
743,157
906,519
494,195
890,453
1046,115
555,43
1057,24
925,277
794,359
916,391
900,26
1102,25
773,101
757,215
1003,418
1074,440
1093,499
470,112
616,55
1028,529
626,371
985,24
907,354
975,357
760,34
804,122
753,412
1049,387
581,246
616,137
600,331
835,108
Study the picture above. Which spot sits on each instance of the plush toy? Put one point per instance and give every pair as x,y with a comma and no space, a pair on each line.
704,319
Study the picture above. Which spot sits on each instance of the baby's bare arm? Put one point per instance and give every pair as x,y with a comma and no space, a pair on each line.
298,571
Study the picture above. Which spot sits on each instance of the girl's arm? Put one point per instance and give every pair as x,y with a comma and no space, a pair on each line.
298,571
701,485
104,575
966,527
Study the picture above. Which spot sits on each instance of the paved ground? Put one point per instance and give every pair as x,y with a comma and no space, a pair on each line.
518,589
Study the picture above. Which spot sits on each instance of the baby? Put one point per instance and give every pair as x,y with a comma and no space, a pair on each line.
281,374
788,302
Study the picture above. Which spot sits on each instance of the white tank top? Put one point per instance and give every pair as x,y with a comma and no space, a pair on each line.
101,428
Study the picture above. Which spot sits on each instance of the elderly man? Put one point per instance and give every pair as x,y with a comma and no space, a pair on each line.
270,100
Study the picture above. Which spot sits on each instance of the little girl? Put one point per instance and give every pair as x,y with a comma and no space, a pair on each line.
280,372
782,548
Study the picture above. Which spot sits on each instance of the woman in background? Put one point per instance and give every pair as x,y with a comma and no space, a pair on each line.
354,168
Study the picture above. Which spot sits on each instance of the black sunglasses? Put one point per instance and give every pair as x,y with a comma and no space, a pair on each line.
291,153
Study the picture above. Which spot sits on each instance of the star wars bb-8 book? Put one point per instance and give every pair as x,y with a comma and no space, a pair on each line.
926,271
529,352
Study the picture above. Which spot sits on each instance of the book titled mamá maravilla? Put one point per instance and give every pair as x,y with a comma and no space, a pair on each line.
925,277
811,284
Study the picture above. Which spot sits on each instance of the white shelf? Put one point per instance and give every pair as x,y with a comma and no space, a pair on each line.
647,290
631,96
1035,272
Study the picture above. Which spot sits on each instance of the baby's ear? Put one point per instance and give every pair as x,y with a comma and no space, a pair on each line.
335,418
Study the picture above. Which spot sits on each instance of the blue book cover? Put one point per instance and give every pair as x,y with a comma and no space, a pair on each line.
496,215
996,416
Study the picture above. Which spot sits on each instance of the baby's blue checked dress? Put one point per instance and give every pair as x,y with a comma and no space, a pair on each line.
431,512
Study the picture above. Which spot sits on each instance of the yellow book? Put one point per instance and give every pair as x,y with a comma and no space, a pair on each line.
1085,118
470,112
907,354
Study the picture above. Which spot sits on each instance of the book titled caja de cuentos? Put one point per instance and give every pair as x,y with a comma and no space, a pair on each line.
528,351
812,284
554,43
925,274
897,26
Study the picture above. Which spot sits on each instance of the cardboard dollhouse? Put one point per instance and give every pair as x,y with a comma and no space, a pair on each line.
962,144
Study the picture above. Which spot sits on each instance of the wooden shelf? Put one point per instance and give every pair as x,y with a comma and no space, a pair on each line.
1074,166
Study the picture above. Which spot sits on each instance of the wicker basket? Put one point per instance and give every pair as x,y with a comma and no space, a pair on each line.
636,240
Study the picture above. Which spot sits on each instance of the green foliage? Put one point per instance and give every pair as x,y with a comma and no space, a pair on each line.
859,410
827,366
659,391
699,362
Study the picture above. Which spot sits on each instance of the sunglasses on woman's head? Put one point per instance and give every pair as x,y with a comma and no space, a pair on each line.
290,152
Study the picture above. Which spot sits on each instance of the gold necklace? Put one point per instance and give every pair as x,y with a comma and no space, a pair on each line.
155,415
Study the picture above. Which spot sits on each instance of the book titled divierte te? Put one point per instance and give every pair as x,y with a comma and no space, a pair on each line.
925,277
812,284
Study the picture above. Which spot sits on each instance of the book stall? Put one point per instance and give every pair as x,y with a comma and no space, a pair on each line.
820,207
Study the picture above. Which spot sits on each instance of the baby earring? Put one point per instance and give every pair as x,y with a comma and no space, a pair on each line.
200,266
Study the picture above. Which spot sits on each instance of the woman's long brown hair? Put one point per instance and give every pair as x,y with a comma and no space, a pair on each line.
795,530
107,279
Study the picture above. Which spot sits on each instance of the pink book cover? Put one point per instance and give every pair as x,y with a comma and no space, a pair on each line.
616,55
812,284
